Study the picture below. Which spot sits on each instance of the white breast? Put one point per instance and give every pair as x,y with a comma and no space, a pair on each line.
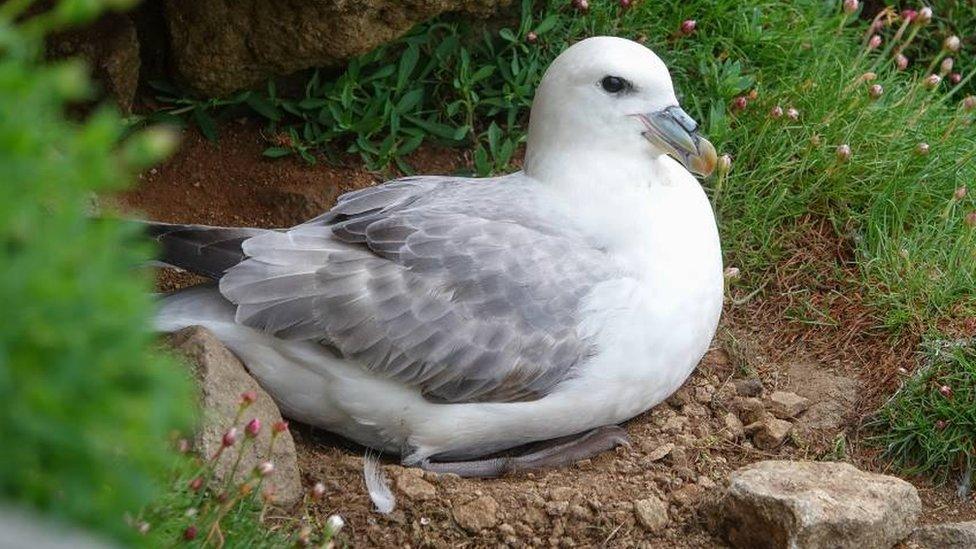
652,328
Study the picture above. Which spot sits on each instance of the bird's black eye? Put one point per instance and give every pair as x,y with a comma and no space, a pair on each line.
614,84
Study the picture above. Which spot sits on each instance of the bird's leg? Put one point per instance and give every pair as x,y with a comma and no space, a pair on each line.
564,453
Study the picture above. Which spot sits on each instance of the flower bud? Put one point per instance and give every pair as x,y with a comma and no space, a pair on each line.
815,140
740,103
969,103
732,273
318,491
190,533
909,15
248,398
252,428
868,77
901,62
625,4
230,437
971,219
875,91
941,424
142,527
946,391
952,43
850,6
843,153
924,15
265,468
196,484
922,149
724,164
532,37
955,78
753,94
932,81
946,66
874,42
581,5
688,26
792,114
960,193
279,427
776,112
335,523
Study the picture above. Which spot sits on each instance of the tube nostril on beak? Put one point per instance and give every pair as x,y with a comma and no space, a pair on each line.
676,133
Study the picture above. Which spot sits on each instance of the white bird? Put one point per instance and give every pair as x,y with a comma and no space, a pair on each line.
448,318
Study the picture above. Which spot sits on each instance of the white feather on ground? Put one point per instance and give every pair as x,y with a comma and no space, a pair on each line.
377,484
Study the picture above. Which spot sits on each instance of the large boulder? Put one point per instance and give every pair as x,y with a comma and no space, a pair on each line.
953,535
219,46
110,47
223,379
785,504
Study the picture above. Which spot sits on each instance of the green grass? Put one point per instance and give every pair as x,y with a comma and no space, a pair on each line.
928,430
914,258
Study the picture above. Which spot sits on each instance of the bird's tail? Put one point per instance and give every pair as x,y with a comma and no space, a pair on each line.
201,249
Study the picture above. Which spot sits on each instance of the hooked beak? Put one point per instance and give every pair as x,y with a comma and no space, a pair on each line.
676,133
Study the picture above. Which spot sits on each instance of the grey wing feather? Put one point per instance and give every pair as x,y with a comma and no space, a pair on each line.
445,284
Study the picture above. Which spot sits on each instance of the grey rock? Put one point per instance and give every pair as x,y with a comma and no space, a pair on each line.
955,535
749,409
477,514
652,513
769,432
220,46
222,379
786,405
784,504
751,387
111,49
410,481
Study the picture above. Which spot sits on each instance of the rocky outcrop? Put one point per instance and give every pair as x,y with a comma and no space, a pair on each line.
223,379
955,535
219,46
111,49
786,504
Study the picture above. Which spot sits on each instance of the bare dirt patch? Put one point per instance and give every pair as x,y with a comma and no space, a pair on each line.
649,494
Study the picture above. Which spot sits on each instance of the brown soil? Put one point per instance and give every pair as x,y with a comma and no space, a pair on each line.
591,503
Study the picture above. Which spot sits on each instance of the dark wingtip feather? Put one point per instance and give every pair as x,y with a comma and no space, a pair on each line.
204,250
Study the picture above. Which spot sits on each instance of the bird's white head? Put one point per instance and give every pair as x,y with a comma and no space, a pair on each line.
607,94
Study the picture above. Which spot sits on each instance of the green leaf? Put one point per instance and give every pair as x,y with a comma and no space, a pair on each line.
407,64
409,100
205,123
507,34
482,73
547,24
277,152
263,106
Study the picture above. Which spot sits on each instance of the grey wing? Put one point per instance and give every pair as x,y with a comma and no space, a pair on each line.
443,284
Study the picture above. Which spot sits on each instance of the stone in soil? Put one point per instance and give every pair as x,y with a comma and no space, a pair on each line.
751,387
832,400
222,379
410,482
733,426
955,535
477,514
749,409
781,504
769,432
652,513
786,405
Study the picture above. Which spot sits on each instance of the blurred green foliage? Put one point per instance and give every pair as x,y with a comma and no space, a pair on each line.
87,406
